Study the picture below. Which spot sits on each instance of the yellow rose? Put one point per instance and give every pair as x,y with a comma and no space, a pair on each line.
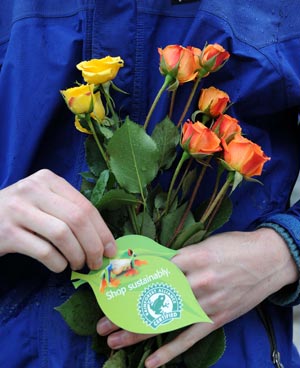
98,112
79,127
98,71
79,99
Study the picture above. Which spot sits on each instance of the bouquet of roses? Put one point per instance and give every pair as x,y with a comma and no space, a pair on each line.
126,164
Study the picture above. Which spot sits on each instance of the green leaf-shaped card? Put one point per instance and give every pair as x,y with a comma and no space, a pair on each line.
141,290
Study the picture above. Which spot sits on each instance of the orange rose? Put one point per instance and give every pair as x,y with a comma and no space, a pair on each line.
198,139
226,127
213,101
244,156
197,55
179,62
213,57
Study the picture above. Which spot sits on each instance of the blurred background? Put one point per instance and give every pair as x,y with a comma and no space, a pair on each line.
297,327
295,197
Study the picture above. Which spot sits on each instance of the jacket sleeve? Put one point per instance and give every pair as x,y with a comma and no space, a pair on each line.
287,225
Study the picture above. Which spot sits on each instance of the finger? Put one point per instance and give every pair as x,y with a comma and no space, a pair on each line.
183,258
122,338
57,233
77,220
38,248
105,327
179,345
59,186
80,215
51,216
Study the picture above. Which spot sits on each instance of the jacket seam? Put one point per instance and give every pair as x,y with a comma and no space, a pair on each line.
6,37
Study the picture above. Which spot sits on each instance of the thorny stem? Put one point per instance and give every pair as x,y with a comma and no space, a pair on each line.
213,214
166,83
144,357
133,219
184,157
218,198
190,203
189,101
109,103
182,179
172,104
147,352
214,193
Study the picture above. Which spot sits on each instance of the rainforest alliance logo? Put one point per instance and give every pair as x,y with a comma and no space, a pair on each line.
159,304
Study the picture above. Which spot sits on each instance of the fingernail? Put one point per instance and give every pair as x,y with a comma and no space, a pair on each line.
152,362
103,326
115,341
110,249
96,264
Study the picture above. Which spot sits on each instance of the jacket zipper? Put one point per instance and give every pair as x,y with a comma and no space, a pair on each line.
275,355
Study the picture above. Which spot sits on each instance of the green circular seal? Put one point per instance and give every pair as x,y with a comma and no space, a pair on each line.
159,304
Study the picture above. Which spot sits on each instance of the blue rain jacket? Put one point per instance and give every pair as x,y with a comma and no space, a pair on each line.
40,44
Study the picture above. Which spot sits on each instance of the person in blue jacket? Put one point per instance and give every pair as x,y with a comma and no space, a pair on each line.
47,227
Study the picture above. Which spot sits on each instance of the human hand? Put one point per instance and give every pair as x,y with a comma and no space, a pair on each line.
44,217
230,274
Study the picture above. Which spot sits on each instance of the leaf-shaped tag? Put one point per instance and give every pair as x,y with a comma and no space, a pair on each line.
143,281
133,157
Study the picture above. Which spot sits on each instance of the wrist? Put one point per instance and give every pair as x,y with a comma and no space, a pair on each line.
285,270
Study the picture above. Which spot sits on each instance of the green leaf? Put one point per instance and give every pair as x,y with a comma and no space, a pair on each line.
207,351
117,360
106,132
87,188
81,312
115,199
160,201
136,353
166,136
170,222
188,181
87,175
83,122
99,188
115,220
145,225
94,158
238,178
153,192
222,216
189,235
133,157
